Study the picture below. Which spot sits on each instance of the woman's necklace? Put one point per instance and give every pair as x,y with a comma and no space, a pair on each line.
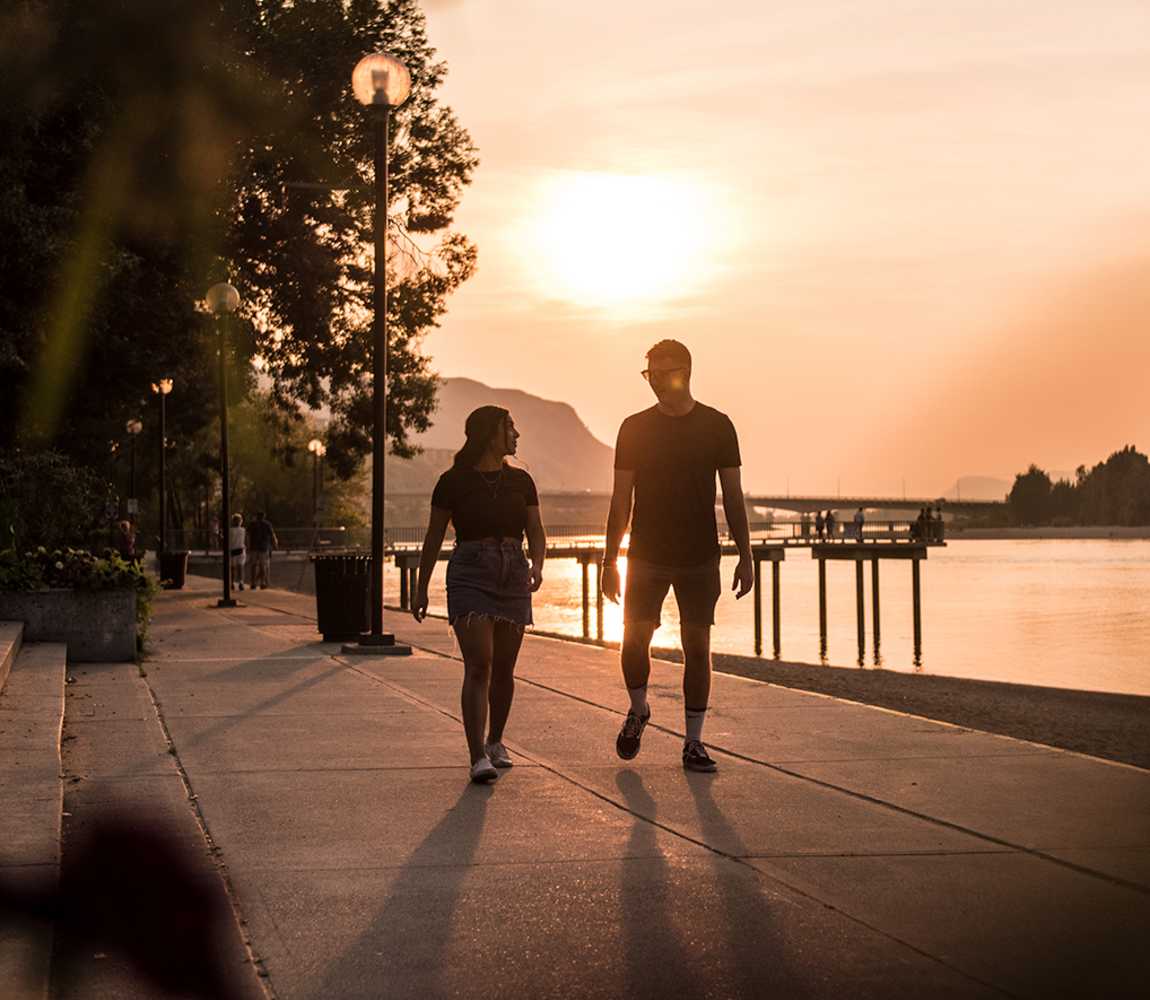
492,484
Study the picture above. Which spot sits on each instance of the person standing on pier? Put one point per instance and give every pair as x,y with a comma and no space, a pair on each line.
830,525
859,520
820,525
666,458
489,581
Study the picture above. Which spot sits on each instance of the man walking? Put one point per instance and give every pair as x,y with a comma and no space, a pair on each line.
666,458
261,541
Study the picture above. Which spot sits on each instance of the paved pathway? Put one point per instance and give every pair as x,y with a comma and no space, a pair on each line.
841,850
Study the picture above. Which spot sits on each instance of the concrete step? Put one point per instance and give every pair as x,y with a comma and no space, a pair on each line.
31,796
11,636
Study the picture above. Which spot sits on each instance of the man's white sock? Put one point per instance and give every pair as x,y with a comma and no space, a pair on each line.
638,700
695,718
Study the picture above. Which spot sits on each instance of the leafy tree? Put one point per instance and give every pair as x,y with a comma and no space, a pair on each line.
159,161
1029,499
1116,491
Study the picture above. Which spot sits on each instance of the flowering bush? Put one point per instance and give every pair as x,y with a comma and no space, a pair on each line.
77,569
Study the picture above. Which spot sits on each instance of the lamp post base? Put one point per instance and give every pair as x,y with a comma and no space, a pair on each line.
376,645
228,603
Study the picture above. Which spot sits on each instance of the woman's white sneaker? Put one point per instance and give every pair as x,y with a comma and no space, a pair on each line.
482,772
498,755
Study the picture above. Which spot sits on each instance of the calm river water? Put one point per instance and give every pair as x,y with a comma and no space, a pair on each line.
1059,613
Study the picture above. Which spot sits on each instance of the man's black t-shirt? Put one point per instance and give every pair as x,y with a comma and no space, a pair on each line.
486,505
260,535
675,460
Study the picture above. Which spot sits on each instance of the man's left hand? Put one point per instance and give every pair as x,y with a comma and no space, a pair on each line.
744,580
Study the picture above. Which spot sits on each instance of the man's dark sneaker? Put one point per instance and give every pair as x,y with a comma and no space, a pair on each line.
696,758
627,743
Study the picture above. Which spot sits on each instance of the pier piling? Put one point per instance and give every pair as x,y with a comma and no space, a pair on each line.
874,606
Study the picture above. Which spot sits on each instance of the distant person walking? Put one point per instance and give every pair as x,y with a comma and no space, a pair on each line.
820,525
237,548
489,580
262,542
830,525
859,521
125,541
666,458
938,529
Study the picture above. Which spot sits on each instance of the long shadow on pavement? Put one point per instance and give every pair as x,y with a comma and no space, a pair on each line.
756,948
658,962
401,953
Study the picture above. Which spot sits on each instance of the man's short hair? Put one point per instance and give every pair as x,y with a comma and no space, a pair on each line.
670,350
260,514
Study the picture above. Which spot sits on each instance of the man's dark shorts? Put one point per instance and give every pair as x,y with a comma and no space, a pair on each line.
697,590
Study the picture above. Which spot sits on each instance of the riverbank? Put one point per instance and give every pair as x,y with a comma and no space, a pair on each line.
1113,726
1075,533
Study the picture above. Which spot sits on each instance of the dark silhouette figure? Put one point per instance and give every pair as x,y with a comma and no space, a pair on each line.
830,525
126,541
820,525
127,889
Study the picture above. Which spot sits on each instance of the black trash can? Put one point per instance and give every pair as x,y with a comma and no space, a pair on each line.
342,596
173,570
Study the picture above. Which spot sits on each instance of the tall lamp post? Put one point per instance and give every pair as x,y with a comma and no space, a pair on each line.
318,449
223,300
161,389
380,82
133,427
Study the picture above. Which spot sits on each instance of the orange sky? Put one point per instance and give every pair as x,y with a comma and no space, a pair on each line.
904,241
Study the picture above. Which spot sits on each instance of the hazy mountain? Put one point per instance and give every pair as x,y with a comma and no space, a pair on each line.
555,446
979,488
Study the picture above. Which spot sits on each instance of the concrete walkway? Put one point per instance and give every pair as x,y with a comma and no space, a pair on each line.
841,850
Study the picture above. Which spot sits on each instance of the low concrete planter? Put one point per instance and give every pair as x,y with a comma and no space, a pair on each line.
98,625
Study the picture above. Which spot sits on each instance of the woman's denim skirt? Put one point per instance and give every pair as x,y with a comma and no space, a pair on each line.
489,579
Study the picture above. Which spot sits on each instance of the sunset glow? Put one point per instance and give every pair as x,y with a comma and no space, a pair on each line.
621,242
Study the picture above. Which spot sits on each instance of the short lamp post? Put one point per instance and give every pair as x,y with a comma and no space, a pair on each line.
380,82
161,389
318,449
223,300
133,427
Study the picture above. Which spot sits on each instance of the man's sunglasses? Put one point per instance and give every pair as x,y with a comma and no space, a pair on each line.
652,373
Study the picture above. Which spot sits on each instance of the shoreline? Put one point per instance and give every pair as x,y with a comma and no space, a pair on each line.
1098,723
1078,533
1101,724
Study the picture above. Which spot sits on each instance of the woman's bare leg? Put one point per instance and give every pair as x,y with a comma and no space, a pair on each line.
476,642
508,639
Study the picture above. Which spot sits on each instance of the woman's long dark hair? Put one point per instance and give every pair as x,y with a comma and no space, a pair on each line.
480,428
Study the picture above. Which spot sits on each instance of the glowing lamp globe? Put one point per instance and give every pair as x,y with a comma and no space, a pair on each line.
222,298
381,80
163,387
134,426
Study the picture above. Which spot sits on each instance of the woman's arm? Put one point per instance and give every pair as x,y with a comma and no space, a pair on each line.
428,557
536,545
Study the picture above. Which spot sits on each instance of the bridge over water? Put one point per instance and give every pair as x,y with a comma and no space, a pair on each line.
811,504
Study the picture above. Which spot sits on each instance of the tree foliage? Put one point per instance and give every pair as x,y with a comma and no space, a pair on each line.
149,148
1114,492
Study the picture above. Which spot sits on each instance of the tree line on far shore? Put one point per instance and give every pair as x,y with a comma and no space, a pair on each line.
1114,492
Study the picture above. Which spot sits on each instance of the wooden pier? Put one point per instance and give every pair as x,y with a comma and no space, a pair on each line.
880,543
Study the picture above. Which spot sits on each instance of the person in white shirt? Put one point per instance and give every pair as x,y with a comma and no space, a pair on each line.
237,544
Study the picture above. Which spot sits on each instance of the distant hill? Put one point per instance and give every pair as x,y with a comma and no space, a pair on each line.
979,488
555,446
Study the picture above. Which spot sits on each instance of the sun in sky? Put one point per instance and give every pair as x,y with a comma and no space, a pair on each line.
621,243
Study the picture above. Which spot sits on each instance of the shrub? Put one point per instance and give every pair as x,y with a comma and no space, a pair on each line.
78,569
46,500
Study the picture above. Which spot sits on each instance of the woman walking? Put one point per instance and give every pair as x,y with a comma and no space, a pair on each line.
489,580
238,548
